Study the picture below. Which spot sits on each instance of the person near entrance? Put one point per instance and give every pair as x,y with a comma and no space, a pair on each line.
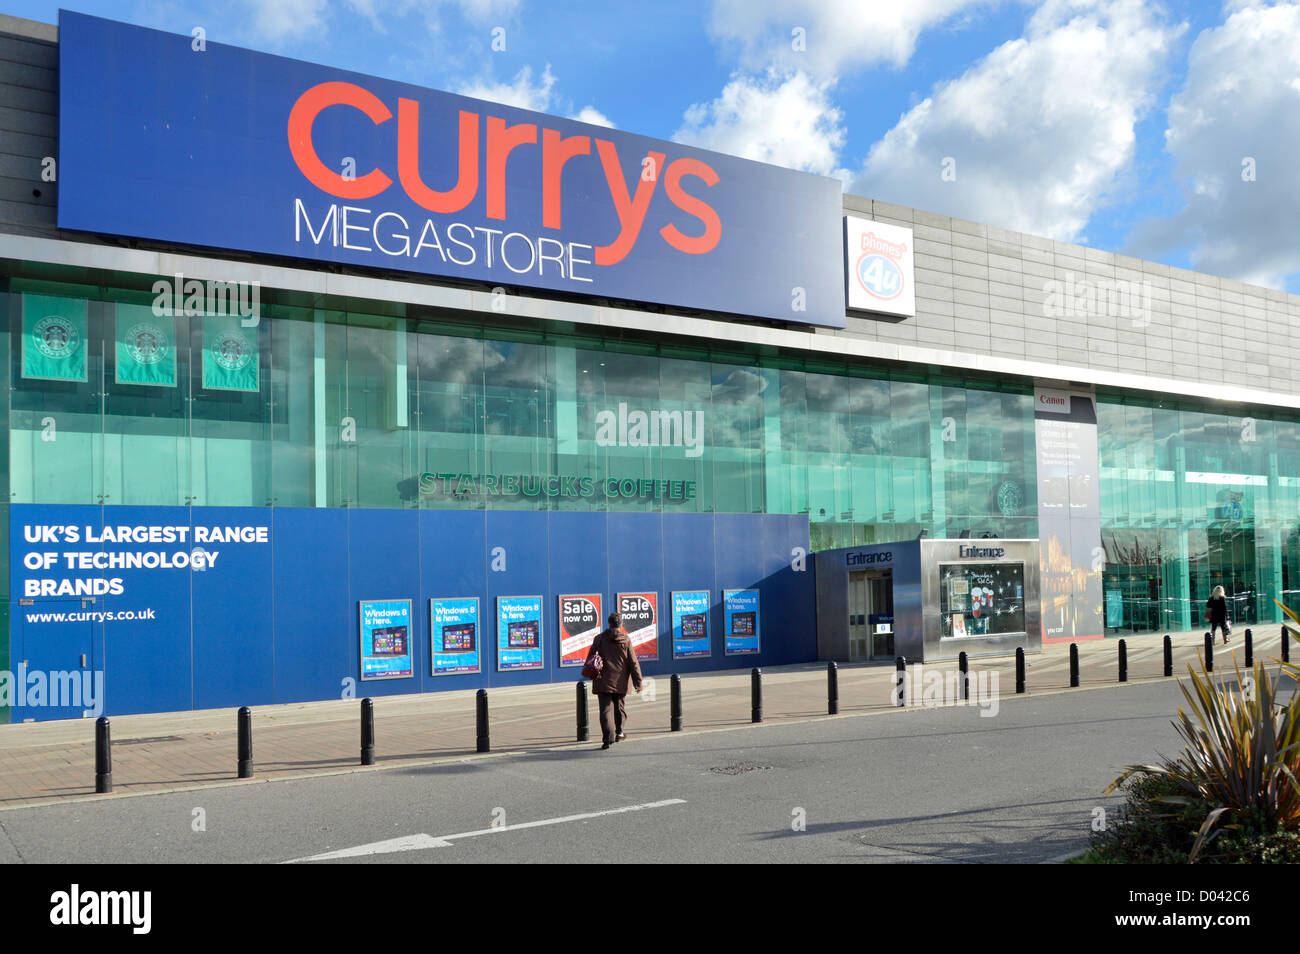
1216,613
610,686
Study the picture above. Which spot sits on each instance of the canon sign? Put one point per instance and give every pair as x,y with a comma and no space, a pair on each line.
228,148
1051,402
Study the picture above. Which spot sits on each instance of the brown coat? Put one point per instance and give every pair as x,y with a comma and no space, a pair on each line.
620,663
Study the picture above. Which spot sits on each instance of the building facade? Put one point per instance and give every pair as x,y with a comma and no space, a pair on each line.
362,437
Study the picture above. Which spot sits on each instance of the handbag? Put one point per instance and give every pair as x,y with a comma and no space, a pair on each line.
592,668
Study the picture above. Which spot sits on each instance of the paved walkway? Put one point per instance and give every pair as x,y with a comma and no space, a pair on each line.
48,762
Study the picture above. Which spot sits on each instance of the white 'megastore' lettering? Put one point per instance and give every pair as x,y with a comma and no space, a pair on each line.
388,233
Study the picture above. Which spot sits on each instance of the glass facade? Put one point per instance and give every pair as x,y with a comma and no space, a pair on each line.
1192,500
348,403
369,404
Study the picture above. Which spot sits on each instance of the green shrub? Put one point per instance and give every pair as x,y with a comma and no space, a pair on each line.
1239,766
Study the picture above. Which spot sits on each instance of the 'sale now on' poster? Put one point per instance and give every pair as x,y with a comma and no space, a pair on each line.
640,612
580,622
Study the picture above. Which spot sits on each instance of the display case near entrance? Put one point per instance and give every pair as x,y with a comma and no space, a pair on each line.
928,600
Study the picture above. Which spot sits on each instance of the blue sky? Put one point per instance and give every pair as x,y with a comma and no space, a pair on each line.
1120,124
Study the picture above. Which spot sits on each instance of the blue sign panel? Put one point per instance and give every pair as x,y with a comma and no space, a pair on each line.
690,623
740,621
454,629
234,149
519,632
386,639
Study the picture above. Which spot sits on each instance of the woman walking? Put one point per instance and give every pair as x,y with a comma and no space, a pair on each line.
1216,613
619,666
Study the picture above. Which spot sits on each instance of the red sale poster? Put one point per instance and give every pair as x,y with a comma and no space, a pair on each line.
580,623
640,612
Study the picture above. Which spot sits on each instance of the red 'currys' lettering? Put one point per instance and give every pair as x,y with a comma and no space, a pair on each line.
688,203
408,161
631,212
310,105
556,151
501,141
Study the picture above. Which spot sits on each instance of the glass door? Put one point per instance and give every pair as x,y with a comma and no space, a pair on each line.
859,610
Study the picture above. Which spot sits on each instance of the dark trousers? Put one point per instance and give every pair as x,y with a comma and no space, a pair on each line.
613,714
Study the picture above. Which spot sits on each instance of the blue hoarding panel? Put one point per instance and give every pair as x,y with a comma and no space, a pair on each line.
517,562
383,565
315,632
234,661
273,614
452,567
252,148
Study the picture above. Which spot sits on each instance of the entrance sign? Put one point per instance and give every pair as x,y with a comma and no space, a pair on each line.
691,624
386,639
274,156
454,636
740,622
640,612
580,622
519,632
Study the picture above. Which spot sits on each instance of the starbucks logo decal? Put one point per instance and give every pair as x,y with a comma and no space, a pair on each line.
56,337
146,344
1010,498
231,352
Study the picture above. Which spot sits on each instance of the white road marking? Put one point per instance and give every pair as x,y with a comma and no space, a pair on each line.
421,841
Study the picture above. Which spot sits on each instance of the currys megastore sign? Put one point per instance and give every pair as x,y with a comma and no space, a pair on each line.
232,149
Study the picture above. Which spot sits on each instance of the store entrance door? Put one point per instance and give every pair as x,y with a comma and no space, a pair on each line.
871,615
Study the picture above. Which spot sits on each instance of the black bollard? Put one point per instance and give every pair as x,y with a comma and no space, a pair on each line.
756,695
1169,655
1286,645
584,730
481,721
963,670
900,681
675,704
1020,670
1074,665
367,732
103,757
244,720
1123,661
1209,652
832,689
1250,649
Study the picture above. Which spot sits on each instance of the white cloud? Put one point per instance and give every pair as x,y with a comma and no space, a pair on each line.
538,96
1241,99
838,35
523,92
787,120
1041,130
590,114
278,19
